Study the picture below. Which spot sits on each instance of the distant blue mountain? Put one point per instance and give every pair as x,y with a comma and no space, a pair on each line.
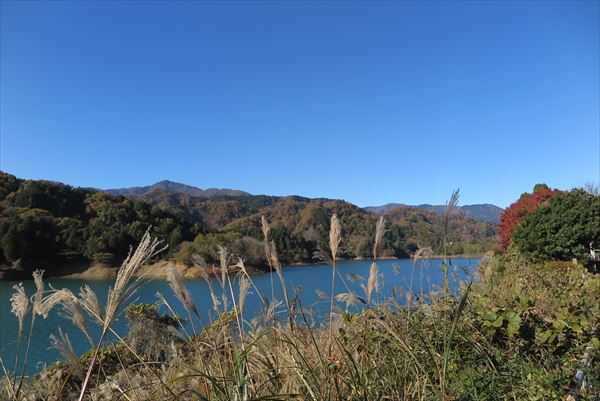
482,212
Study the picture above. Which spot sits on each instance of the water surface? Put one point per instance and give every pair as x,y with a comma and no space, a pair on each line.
423,277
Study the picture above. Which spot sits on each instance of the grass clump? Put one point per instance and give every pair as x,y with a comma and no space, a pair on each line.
517,333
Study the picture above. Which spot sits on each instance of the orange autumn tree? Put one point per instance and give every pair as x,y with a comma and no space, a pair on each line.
527,203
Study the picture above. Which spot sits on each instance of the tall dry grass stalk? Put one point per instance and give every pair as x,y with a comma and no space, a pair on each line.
72,311
335,237
243,292
450,205
278,269
242,267
89,301
124,288
37,302
266,229
182,294
62,344
19,303
201,265
373,282
379,231
224,266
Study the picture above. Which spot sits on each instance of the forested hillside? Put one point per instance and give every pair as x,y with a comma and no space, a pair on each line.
45,223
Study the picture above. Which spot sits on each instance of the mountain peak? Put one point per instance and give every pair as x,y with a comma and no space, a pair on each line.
176,187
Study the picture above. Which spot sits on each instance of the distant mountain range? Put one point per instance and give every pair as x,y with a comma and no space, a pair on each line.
481,212
176,187
45,222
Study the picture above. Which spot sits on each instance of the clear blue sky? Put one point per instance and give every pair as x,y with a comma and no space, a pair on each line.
371,102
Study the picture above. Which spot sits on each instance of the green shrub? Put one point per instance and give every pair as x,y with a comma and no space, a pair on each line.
561,229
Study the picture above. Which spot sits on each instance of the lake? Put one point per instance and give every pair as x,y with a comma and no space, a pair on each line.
422,277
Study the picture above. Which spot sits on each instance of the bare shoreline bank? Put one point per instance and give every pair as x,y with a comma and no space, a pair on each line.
100,271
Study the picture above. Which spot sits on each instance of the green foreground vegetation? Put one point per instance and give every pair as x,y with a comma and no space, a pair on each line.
519,332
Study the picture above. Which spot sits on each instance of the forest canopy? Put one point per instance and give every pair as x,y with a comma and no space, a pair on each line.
44,223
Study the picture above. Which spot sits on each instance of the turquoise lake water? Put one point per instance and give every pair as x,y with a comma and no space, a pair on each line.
422,277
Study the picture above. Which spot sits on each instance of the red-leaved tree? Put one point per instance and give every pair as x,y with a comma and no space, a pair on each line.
527,203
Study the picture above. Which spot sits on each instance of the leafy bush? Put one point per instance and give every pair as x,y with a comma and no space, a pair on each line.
561,229
516,212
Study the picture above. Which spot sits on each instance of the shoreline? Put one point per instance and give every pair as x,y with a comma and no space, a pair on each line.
158,269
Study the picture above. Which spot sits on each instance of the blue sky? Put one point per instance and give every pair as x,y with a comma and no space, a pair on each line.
371,102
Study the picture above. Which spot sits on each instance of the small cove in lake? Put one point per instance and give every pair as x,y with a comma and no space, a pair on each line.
423,276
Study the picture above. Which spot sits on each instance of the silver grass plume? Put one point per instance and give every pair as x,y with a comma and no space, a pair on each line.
201,264
62,343
55,298
450,205
183,295
277,265
335,236
121,292
240,265
39,294
423,253
275,258
373,283
265,227
349,298
73,312
123,289
223,261
267,247
244,286
321,294
19,303
353,277
266,230
89,301
379,231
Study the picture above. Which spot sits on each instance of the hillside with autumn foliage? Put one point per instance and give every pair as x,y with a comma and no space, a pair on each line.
53,224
